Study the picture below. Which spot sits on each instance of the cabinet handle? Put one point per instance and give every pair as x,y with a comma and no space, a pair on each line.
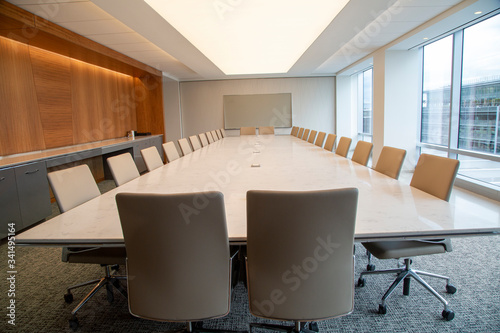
31,172
2,179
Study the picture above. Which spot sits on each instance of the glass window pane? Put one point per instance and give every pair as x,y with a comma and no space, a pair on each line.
436,92
367,101
480,93
480,169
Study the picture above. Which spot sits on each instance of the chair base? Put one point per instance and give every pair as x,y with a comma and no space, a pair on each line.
298,327
109,281
405,274
197,327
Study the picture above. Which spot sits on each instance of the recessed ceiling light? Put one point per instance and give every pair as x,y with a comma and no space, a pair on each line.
426,38
478,12
250,37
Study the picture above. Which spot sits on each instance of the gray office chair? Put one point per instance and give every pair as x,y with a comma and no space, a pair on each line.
320,139
301,133
151,158
266,130
434,175
362,152
313,231
330,142
390,161
73,187
178,260
295,131
195,142
123,168
248,131
306,134
312,136
170,151
203,139
185,147
343,147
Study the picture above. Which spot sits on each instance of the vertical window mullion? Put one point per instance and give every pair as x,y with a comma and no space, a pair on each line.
456,87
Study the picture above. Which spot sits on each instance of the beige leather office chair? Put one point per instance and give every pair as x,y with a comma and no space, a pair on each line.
343,146
320,139
247,131
312,136
390,161
182,273
312,230
222,132
123,168
209,137
434,175
301,133
306,134
266,130
73,187
214,135
185,147
330,142
151,158
203,139
295,131
195,142
219,133
362,152
170,151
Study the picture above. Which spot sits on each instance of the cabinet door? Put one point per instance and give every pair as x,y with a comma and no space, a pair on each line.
9,205
33,190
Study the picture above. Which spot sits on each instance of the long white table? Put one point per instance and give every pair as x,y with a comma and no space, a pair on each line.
387,208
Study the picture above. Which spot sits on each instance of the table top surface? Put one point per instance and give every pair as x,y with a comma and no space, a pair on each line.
387,208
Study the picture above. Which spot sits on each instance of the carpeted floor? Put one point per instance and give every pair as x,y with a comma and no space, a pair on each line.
474,266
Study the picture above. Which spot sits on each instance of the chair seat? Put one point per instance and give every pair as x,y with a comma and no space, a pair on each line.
403,249
100,255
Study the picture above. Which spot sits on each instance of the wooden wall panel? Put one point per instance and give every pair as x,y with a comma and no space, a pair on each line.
125,107
149,104
21,129
53,88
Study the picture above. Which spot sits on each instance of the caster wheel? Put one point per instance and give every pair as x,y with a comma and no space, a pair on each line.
448,315
370,267
361,282
313,326
451,289
68,298
115,267
382,309
73,324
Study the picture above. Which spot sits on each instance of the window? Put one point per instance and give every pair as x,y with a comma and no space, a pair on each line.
461,99
365,105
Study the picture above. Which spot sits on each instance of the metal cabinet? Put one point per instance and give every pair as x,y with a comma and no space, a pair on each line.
9,205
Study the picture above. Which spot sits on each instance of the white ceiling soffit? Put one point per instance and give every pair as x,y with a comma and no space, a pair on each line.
133,28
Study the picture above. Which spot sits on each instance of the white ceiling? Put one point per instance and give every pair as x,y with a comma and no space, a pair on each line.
133,28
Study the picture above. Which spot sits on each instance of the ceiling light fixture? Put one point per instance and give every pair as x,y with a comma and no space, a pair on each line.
478,12
250,37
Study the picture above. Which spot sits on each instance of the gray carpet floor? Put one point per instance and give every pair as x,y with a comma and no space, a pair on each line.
474,266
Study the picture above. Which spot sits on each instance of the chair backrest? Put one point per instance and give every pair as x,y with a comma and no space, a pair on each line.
295,131
362,152
214,135
123,168
330,142
209,137
195,142
171,151
219,133
203,139
247,131
265,130
185,147
435,175
73,186
320,139
151,158
312,136
390,161
301,243
301,133
222,132
306,134
165,283
343,146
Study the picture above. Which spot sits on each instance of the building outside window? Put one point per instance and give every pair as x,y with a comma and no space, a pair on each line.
461,100
365,105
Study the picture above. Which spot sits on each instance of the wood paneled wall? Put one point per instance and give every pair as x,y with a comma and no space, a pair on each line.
51,99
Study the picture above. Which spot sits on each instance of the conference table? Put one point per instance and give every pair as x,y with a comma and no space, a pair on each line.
388,209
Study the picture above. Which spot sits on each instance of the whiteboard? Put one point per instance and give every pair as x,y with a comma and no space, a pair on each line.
257,110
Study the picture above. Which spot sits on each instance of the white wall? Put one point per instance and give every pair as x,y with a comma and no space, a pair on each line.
313,101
